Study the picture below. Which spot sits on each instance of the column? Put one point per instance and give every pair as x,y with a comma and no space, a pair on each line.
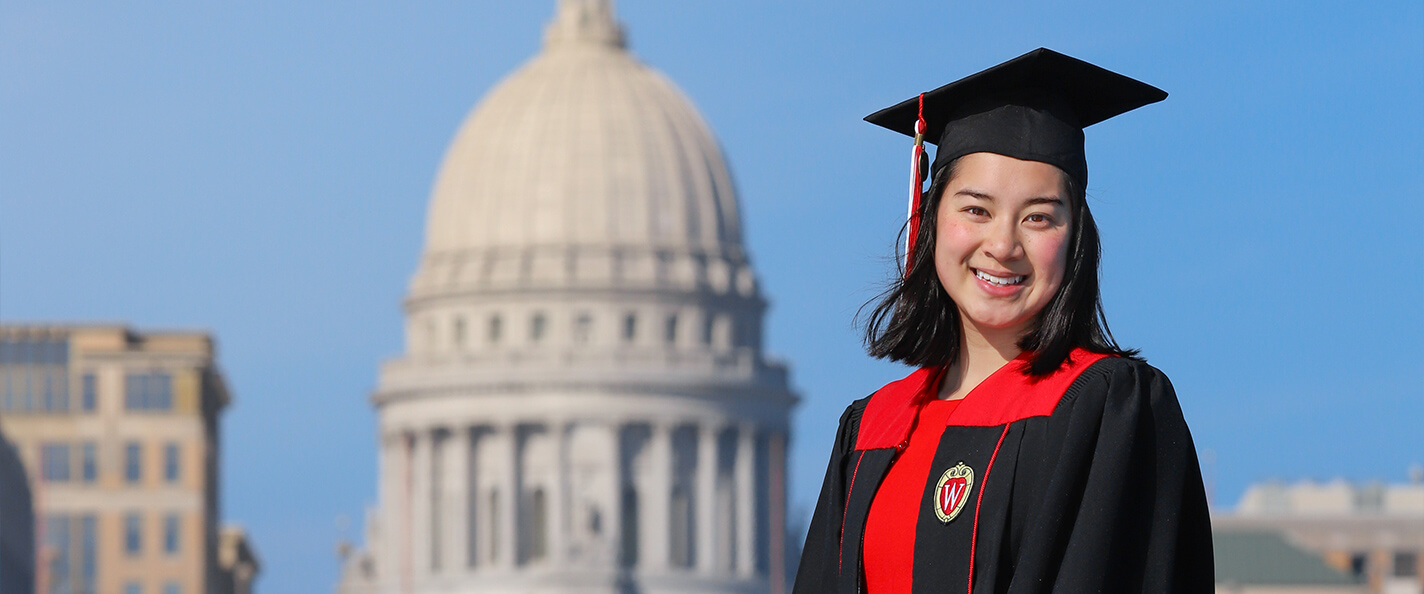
654,527
508,514
456,521
387,565
706,499
420,503
558,497
613,525
745,507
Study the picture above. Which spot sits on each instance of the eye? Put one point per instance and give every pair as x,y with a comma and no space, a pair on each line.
1039,219
976,211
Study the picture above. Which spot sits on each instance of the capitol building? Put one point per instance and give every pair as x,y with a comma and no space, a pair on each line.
583,404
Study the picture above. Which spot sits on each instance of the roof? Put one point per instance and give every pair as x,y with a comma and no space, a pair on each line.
583,146
1265,558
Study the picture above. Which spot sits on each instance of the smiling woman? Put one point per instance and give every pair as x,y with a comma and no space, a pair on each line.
1029,453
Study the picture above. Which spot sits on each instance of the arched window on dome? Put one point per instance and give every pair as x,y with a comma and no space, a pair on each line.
494,329
538,327
583,328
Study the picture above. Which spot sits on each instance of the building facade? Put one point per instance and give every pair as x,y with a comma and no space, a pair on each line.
119,433
1373,532
583,404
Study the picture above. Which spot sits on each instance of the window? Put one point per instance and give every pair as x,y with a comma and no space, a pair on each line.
583,329
172,588
630,327
133,462
57,544
670,329
457,331
495,328
152,391
170,534
89,399
537,327
88,553
1406,564
133,588
1358,564
535,526
133,534
681,552
89,463
56,390
55,460
708,323
170,462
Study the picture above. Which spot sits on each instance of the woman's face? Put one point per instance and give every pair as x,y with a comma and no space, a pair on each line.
1002,240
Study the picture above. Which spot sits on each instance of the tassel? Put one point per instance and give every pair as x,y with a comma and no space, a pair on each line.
917,175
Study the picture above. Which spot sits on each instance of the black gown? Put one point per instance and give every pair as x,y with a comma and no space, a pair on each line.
1083,481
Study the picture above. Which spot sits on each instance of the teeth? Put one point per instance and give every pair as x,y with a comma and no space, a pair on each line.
1002,281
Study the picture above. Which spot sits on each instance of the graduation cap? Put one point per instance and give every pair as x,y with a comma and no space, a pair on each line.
1033,107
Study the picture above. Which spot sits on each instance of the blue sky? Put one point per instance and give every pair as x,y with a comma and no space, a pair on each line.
261,171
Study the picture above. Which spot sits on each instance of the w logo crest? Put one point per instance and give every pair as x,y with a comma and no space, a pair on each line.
952,491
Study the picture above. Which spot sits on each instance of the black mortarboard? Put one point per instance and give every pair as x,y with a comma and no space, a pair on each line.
1033,107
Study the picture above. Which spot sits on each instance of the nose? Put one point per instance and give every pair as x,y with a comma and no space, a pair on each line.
1002,243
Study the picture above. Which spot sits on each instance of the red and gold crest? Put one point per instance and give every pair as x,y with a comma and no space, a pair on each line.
952,491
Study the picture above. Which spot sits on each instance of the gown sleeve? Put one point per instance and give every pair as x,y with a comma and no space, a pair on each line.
819,557
1122,503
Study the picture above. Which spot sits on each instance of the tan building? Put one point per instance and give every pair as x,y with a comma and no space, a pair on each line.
118,431
1372,532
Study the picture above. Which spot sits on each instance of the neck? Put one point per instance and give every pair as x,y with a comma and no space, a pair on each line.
982,351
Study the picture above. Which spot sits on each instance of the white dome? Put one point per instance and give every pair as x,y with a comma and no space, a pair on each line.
585,147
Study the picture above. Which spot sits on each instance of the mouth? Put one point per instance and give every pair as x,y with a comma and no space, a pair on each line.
1000,281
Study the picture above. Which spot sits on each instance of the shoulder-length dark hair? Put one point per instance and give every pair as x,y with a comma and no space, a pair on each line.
917,323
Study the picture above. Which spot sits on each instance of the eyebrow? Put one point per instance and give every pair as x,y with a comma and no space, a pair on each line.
980,195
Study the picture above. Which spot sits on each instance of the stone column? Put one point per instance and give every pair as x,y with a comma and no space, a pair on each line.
455,524
387,561
613,526
558,512
420,503
654,528
507,517
705,502
745,507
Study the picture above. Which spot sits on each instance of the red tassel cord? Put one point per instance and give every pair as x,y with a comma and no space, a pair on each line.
916,184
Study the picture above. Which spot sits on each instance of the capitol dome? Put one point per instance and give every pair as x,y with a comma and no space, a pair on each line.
583,404
582,148
584,145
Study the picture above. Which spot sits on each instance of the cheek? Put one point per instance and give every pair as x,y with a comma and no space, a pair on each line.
1049,254
954,241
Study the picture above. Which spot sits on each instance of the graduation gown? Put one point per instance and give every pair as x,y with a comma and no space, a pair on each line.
1082,481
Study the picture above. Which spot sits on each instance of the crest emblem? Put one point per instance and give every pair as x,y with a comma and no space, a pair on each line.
952,491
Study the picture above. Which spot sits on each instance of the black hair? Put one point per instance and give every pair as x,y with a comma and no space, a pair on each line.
917,323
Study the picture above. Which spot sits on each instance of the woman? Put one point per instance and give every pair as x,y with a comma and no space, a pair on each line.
1029,453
